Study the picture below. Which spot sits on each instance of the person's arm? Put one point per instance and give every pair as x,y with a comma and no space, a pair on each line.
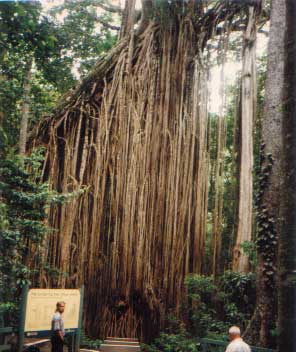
61,335
58,327
229,348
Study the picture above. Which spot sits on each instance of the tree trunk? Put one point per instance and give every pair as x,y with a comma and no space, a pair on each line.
248,103
139,143
235,155
287,239
268,197
128,18
271,174
25,109
219,176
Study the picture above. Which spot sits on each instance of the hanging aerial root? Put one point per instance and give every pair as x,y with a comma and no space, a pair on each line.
135,132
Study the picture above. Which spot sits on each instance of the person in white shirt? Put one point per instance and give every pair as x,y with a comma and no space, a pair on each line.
57,328
236,342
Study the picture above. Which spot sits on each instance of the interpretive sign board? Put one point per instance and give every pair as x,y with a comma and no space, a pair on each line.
41,305
38,307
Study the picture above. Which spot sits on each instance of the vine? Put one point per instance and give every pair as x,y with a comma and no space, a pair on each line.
267,236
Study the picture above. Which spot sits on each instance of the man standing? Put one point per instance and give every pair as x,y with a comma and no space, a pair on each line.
236,342
57,328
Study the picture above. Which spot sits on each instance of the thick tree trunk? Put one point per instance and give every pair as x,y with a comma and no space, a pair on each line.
271,174
287,239
25,109
139,144
268,198
248,103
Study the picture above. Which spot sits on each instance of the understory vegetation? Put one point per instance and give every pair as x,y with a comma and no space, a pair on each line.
215,305
23,211
25,200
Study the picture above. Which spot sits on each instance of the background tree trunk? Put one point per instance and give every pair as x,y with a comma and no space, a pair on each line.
25,109
219,172
248,103
286,24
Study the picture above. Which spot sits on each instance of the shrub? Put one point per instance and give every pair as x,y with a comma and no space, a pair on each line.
214,305
89,343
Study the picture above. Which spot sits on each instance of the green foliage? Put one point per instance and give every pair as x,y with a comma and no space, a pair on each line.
266,233
267,237
214,307
28,41
218,304
174,339
23,206
200,287
55,52
86,37
89,343
206,301
250,249
23,203
239,289
22,224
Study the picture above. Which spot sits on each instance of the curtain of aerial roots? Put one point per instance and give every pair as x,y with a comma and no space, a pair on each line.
219,169
138,142
248,108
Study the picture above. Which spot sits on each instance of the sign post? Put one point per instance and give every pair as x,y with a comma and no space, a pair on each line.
23,311
78,334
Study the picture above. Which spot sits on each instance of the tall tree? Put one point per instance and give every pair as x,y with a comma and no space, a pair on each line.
248,105
136,133
270,178
286,30
219,172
